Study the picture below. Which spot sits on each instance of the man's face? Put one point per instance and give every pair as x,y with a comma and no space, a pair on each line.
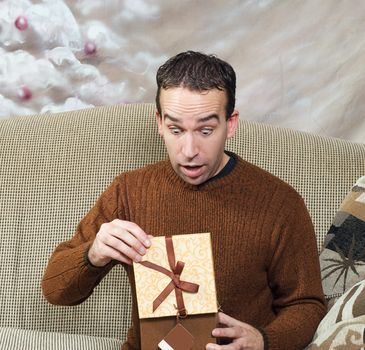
194,128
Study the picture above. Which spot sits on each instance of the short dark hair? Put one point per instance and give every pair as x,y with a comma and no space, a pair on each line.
197,72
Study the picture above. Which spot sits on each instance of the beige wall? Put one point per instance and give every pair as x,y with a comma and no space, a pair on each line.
300,64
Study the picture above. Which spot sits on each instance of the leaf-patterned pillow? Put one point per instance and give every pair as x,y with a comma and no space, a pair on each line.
343,256
344,325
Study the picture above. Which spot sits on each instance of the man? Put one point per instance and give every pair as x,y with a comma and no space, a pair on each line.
267,271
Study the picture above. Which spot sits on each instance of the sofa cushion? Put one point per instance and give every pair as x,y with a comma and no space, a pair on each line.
344,325
343,256
19,339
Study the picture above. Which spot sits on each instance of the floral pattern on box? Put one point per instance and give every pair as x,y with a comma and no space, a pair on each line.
196,252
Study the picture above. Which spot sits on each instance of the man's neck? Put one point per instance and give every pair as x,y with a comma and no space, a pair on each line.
227,168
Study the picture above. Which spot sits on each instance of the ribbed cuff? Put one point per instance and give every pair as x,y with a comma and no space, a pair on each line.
88,263
94,268
265,337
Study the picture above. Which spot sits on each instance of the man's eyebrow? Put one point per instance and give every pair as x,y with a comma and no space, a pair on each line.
209,117
200,120
167,116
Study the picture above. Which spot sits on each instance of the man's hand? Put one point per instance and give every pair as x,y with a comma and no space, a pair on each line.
244,336
118,240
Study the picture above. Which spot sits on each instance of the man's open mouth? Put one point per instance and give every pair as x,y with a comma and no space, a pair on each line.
192,170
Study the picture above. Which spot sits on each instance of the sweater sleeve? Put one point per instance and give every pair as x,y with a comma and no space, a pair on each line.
294,277
69,278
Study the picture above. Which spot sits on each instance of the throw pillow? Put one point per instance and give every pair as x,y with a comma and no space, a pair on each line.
344,325
343,256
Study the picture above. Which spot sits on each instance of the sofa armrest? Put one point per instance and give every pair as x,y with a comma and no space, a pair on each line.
20,339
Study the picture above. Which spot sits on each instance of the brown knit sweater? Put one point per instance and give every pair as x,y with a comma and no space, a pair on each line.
265,253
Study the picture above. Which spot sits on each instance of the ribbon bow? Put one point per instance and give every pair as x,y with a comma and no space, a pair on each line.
176,283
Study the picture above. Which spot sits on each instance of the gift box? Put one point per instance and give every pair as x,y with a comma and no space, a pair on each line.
176,293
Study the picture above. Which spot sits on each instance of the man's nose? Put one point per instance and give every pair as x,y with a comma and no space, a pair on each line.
190,146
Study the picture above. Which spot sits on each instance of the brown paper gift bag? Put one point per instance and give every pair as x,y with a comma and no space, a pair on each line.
175,284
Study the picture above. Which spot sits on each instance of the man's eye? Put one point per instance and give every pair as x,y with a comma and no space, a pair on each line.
206,131
175,130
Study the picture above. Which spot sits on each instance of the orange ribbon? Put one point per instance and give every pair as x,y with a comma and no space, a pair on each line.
175,283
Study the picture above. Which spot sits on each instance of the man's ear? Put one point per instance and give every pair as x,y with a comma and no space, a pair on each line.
232,124
159,122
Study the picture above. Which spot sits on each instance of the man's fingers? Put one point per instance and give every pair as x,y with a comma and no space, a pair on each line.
126,240
229,332
125,247
212,346
125,237
135,230
228,320
115,255
243,335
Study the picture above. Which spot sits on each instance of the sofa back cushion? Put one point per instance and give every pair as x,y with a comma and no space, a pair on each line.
53,168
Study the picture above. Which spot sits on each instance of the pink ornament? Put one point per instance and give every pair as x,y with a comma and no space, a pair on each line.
21,23
90,48
24,93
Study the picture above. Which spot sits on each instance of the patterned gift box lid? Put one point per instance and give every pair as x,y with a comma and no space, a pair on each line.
195,251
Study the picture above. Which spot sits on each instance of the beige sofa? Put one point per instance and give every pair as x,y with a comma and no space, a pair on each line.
53,167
